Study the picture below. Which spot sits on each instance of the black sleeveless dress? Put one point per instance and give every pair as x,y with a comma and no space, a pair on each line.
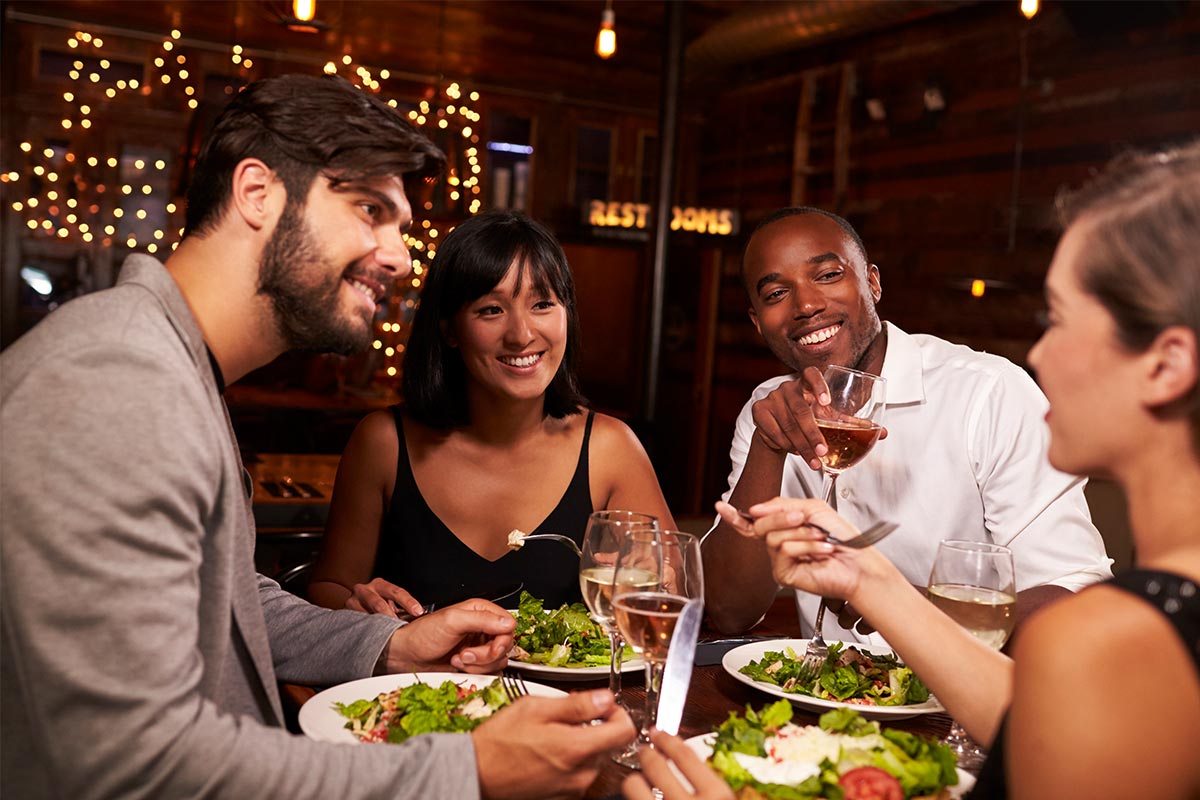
1177,597
420,554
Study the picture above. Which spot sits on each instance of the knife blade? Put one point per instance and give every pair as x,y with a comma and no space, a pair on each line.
677,674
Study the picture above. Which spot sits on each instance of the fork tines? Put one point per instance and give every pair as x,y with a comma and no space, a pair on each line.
513,684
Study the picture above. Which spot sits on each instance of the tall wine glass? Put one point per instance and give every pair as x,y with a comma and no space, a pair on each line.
657,573
974,584
852,421
851,424
601,542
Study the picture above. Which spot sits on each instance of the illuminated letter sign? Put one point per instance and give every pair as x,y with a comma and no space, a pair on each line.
614,214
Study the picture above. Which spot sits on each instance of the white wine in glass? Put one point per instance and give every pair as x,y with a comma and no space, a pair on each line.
974,583
657,573
601,543
987,614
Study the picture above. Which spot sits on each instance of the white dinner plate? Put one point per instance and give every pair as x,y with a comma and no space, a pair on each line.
634,664
739,657
320,720
702,746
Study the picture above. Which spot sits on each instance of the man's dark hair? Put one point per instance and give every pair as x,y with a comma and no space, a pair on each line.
302,126
795,211
475,258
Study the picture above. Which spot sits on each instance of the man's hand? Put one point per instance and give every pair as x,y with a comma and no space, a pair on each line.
785,421
848,616
381,597
471,636
543,746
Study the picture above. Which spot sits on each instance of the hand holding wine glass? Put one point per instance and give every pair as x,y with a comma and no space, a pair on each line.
974,584
851,423
657,573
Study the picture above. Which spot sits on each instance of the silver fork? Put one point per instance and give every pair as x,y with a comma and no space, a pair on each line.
568,541
513,685
876,533
817,651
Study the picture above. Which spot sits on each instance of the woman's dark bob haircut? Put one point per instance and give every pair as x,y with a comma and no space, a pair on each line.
471,262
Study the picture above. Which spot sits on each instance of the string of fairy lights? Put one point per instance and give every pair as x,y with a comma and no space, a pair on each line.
67,189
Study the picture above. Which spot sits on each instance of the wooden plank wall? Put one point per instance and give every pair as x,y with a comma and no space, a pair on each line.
932,194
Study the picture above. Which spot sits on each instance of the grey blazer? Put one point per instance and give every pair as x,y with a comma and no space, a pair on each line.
140,651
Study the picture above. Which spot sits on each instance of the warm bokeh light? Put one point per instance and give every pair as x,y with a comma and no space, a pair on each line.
304,10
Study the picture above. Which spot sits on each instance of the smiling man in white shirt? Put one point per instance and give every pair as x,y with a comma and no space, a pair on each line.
964,456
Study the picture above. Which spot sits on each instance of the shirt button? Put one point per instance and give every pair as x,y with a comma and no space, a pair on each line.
845,492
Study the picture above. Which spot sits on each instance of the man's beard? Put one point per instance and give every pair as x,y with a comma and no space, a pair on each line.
294,273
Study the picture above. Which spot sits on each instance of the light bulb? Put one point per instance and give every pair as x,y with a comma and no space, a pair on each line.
1029,8
606,39
304,9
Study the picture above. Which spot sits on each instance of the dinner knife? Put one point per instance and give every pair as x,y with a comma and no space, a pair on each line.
677,674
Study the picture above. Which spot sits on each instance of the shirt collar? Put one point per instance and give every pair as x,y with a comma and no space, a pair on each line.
902,368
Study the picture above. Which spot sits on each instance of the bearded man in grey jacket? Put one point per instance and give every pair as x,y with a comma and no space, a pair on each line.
141,652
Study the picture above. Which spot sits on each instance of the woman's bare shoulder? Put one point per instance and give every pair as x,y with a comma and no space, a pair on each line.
378,423
611,433
1102,678
1122,639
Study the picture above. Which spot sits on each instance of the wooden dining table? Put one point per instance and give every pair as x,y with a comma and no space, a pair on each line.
712,695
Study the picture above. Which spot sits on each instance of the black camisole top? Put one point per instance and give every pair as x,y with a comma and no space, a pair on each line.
1177,597
421,555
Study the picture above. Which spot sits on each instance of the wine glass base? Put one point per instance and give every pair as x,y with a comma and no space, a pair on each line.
629,757
969,755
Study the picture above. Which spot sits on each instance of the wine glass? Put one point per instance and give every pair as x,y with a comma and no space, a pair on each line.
974,584
657,573
601,541
851,424
852,421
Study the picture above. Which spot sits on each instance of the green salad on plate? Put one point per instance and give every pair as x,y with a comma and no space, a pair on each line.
566,637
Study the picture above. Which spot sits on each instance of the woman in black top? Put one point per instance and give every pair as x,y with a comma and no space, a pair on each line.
492,437
1102,696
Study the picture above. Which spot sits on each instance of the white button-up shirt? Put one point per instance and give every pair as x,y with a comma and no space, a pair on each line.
965,458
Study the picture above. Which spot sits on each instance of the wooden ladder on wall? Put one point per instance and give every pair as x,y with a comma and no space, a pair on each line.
838,81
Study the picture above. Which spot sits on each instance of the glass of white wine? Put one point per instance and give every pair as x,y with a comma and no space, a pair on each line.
601,542
657,573
974,583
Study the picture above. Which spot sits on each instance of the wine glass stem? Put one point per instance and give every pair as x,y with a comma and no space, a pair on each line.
654,671
614,671
831,488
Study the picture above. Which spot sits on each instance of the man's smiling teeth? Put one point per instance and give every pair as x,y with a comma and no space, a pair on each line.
362,287
521,361
816,337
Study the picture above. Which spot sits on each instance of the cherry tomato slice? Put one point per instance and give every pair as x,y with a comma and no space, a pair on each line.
870,783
